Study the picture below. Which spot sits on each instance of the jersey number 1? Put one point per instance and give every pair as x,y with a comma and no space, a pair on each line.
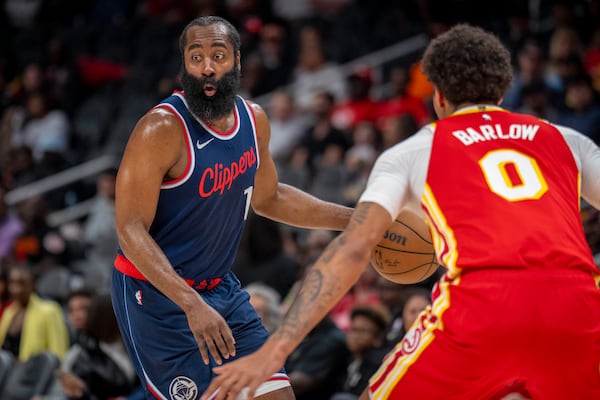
248,193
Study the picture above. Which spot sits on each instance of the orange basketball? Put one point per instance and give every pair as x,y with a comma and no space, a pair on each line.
405,253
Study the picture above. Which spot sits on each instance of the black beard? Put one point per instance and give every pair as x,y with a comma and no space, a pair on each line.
211,108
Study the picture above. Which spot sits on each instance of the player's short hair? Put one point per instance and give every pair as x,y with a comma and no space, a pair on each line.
468,65
232,33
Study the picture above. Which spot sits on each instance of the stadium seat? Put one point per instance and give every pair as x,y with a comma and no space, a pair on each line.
30,378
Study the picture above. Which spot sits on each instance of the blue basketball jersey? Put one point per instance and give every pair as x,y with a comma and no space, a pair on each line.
200,215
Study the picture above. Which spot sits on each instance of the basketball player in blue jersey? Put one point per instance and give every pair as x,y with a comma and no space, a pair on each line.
193,167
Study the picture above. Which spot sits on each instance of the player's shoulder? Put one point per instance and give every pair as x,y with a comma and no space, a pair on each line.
160,117
260,116
255,108
419,141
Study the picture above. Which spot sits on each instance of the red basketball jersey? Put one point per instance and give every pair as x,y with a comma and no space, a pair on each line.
502,191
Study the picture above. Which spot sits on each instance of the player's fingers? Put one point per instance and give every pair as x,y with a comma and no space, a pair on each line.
222,346
229,343
211,391
203,352
214,351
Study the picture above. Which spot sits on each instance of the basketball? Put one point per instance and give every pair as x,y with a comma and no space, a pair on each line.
405,254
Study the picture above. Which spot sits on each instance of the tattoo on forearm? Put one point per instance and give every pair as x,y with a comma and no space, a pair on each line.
359,217
312,288
332,248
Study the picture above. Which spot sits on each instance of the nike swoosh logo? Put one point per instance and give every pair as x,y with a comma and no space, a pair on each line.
203,145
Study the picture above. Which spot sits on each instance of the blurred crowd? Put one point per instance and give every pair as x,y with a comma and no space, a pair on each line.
76,75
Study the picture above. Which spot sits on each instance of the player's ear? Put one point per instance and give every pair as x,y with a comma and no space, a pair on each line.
439,98
238,58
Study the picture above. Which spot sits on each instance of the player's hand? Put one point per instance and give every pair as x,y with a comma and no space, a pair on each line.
247,372
212,333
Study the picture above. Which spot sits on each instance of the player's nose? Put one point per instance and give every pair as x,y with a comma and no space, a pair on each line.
208,68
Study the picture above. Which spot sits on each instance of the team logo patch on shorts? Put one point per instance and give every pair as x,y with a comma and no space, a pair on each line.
411,340
183,388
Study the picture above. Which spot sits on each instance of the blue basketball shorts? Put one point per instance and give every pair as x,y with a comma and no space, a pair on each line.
161,345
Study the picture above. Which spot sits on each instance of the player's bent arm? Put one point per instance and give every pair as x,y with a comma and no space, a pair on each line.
285,203
154,150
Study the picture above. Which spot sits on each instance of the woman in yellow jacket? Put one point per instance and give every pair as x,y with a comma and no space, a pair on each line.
31,324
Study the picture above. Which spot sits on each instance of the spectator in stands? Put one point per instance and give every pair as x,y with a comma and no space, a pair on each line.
274,51
287,125
417,299
97,366
20,167
530,68
313,71
317,365
360,106
295,170
362,293
31,324
583,109
78,305
99,233
267,303
11,227
392,296
330,175
46,128
364,340
535,101
359,159
396,129
322,133
591,59
401,102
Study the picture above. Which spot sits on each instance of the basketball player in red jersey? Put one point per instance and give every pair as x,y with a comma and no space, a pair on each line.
517,315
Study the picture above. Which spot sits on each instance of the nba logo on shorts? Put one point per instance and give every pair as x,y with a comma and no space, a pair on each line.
183,388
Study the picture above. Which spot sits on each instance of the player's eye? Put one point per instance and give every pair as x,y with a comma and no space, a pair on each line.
196,57
219,56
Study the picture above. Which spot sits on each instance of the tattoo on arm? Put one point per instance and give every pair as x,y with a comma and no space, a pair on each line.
359,217
317,289
311,287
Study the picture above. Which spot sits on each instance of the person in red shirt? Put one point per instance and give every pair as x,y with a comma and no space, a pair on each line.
360,106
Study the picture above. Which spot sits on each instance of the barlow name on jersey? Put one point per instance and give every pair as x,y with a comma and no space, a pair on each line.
494,132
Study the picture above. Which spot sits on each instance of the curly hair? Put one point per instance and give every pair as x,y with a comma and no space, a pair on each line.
468,65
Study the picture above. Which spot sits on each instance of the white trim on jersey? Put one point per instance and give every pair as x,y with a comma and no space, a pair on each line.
252,118
155,390
211,130
192,162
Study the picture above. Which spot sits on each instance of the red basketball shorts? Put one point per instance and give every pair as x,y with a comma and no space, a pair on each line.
491,333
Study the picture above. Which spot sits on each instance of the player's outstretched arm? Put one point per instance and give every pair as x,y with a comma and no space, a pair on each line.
334,273
284,203
156,150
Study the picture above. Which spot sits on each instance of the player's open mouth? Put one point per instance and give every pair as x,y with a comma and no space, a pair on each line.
209,90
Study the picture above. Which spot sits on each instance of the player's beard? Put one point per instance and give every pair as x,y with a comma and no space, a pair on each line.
219,105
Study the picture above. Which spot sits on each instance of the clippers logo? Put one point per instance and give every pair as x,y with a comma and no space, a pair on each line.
411,341
138,297
219,178
183,388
